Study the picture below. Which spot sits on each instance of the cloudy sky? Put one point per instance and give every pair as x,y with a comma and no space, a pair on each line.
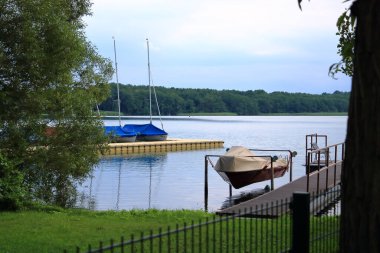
222,44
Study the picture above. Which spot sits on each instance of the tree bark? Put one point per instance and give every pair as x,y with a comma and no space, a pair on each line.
360,220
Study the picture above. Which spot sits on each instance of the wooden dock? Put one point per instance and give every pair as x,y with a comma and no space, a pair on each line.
171,144
326,178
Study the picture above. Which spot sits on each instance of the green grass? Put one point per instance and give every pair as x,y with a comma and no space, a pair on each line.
56,230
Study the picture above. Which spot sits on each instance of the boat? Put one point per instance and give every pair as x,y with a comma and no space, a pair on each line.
148,132
117,133
241,167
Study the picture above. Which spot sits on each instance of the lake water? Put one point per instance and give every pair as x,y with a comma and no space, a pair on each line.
175,180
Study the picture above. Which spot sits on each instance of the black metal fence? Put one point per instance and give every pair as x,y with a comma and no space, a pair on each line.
311,224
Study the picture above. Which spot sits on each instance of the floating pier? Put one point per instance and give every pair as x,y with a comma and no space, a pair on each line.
171,144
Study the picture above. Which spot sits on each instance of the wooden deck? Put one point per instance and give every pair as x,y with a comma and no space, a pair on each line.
171,144
317,183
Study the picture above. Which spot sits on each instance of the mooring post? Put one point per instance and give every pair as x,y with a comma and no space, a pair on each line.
290,168
301,222
272,174
206,184
309,156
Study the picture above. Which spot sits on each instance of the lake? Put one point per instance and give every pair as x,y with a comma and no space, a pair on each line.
175,180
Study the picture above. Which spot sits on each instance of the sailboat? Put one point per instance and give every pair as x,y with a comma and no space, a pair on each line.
117,133
148,132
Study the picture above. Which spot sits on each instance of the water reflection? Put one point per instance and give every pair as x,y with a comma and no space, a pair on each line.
122,182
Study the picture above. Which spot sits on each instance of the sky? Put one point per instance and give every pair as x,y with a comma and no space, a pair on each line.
221,44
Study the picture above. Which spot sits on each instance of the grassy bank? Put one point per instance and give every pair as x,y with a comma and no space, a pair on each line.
56,229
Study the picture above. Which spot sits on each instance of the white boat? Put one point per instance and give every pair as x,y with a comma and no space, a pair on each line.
241,167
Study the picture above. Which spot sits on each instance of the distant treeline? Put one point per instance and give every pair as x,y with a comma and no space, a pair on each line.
175,101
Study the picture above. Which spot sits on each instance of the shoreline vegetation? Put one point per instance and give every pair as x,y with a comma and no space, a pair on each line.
111,114
187,101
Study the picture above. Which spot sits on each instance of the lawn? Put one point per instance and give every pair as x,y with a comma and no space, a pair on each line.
57,229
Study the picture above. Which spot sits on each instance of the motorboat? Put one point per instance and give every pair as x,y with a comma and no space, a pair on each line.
240,167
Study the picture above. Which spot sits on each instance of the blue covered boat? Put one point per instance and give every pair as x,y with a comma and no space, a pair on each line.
146,132
117,134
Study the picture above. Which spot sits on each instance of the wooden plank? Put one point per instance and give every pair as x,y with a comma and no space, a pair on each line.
331,175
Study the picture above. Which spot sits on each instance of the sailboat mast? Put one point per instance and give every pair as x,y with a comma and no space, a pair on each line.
150,89
117,79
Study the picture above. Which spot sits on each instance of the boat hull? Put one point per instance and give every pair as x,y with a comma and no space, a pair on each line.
117,134
146,132
123,139
151,137
244,178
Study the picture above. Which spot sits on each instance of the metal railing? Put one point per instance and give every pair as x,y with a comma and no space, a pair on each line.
316,139
328,168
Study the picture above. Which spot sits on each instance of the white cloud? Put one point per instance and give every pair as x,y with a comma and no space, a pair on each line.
199,33
254,27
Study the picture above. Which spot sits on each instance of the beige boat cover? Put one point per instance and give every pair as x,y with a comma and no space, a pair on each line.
239,159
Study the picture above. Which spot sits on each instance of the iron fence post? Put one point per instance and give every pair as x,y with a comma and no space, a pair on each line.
206,185
301,222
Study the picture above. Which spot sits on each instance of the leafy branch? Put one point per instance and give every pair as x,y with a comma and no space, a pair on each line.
346,33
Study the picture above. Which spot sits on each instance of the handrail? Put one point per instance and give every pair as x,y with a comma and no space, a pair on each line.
323,166
313,138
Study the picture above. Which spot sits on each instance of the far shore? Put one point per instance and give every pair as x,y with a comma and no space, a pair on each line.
184,116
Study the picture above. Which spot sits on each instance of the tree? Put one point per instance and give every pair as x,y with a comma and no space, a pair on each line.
51,78
361,173
360,218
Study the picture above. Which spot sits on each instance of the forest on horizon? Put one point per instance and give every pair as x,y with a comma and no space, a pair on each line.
179,101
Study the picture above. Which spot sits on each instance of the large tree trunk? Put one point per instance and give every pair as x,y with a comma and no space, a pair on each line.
360,220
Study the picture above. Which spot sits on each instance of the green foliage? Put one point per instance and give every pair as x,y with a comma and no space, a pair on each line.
12,191
173,101
50,79
346,33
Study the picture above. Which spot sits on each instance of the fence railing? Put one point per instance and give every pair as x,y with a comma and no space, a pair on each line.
326,163
312,225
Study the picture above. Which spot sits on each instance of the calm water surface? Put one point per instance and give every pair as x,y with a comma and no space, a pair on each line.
175,180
